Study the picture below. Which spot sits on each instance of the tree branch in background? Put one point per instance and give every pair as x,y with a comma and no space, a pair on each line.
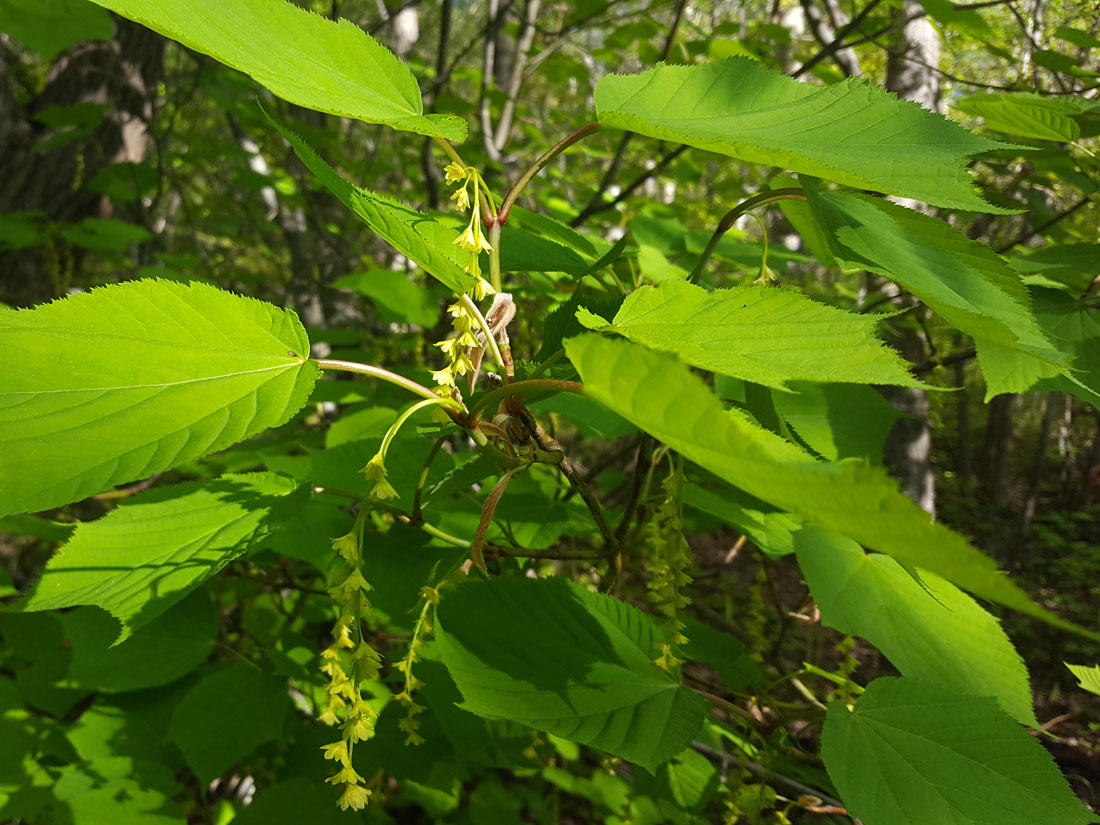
616,161
838,41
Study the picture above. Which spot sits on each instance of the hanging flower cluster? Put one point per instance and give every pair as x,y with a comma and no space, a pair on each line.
471,240
668,571
410,724
347,662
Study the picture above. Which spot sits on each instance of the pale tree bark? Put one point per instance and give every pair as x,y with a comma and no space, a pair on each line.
910,73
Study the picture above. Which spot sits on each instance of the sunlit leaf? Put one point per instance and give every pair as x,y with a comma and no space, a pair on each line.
329,65
850,132
132,379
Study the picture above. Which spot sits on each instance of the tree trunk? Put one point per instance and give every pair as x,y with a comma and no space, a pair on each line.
910,74
992,481
123,73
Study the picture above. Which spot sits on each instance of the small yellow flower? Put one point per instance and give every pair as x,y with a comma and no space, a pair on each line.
345,774
443,377
348,547
354,797
383,490
337,751
461,199
358,729
375,469
472,240
453,172
329,716
482,288
414,738
430,594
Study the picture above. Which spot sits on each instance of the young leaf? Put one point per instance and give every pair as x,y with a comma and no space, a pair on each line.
912,752
934,632
849,132
142,558
661,396
226,715
132,379
761,334
963,281
329,65
419,237
551,655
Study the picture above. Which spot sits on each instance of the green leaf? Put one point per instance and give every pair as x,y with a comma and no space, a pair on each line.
849,132
1024,114
553,656
1074,265
419,237
166,649
762,334
926,627
911,752
1087,677
660,395
133,379
722,652
328,65
226,715
51,26
838,420
1075,325
398,299
769,529
963,281
291,803
142,558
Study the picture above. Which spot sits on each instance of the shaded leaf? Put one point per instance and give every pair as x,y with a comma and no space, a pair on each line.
51,26
329,65
225,716
850,132
551,655
912,752
132,379
164,650
1024,114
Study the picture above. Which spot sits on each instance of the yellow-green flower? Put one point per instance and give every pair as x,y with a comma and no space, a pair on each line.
454,172
345,774
354,797
337,751
348,547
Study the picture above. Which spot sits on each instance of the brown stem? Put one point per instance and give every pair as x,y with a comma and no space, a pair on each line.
529,387
551,153
491,501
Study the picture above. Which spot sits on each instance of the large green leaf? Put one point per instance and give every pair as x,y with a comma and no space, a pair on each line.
140,559
419,237
551,655
928,628
1074,265
329,65
762,334
133,379
963,281
850,132
659,394
226,715
914,753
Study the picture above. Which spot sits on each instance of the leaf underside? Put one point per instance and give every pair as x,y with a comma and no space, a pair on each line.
328,65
